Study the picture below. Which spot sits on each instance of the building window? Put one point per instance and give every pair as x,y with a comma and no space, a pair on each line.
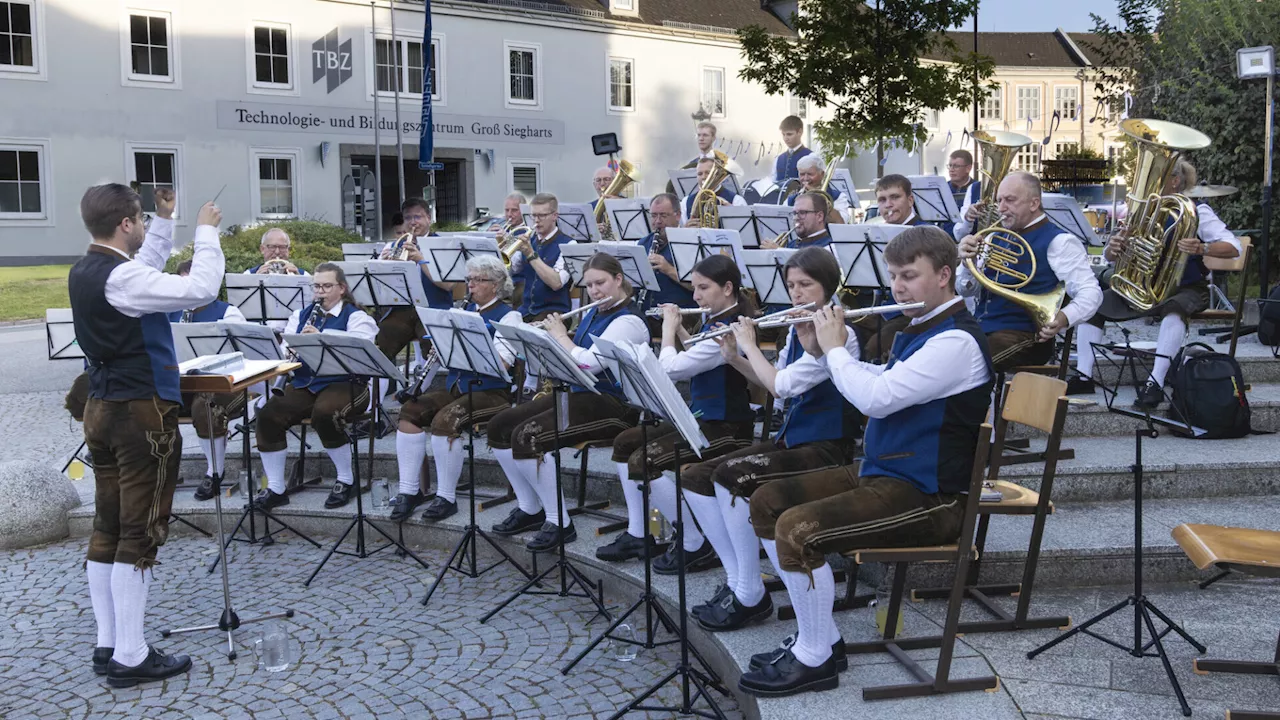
155,165
17,35
1065,100
991,107
21,182
799,107
525,177
1065,148
1028,103
1028,159
713,91
272,59
150,55
275,176
624,4
524,75
405,65
621,84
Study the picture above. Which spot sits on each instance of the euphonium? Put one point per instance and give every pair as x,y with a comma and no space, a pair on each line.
1150,267
706,204
625,176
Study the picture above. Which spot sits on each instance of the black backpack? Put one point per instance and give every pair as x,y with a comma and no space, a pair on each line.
1269,319
1208,393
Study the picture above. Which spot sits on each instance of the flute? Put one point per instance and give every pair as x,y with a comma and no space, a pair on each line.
657,312
581,309
710,334
877,310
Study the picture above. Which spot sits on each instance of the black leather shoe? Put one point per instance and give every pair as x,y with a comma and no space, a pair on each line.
439,509
626,547
721,593
402,505
549,537
157,666
704,558
340,495
731,614
205,491
519,521
788,676
1149,397
101,656
267,500
759,660
1081,385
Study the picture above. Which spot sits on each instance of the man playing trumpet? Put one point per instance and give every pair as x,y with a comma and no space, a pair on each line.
400,326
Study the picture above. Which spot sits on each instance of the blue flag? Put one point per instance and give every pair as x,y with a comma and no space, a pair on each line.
427,135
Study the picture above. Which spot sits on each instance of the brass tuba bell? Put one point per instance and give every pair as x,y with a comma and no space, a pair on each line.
626,176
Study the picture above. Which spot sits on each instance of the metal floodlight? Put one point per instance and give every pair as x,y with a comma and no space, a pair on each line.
1255,62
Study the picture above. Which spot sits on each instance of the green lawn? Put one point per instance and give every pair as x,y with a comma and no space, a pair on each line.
26,292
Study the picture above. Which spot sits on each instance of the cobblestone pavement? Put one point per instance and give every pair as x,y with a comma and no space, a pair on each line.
366,647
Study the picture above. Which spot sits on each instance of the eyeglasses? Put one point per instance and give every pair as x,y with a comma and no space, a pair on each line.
602,181
541,216
958,166
478,280
323,287
807,212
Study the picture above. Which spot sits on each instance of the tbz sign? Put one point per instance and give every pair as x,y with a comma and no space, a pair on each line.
330,61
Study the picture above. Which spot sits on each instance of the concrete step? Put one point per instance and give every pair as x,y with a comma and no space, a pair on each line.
1257,362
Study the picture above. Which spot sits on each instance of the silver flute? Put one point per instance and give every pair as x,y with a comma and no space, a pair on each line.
581,309
658,312
877,310
712,334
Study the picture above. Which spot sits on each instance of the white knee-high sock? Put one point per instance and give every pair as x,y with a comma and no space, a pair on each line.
746,546
103,608
207,449
1086,337
129,598
341,457
448,466
521,484
707,511
1172,329
771,549
219,460
662,495
273,468
812,603
411,450
549,492
635,501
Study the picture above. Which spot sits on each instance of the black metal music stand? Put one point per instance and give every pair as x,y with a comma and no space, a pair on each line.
764,273
267,298
548,360
755,223
464,344
331,354
60,337
690,246
628,218
229,621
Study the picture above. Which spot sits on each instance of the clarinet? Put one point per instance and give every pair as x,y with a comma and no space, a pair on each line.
187,315
315,320
414,389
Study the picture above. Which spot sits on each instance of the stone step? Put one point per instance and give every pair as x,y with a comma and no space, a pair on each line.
1256,361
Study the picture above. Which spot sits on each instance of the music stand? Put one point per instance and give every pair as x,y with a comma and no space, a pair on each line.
1063,211
361,251
547,359
633,258
690,246
934,201
685,181
650,389
211,385
384,284
860,251
447,257
755,223
60,337
764,273
267,298
330,354
576,220
842,180
629,218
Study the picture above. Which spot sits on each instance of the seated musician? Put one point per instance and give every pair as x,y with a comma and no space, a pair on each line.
664,213
784,168
522,437
275,255
398,227
964,189
447,413
329,401
400,326
812,173
810,223
727,196
601,181
817,432
1060,257
1191,296
720,402
897,206
213,441
924,408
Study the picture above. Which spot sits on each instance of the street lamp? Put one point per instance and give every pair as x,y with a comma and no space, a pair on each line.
701,114
1253,63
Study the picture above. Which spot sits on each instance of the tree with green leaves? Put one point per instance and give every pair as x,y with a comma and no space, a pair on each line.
865,61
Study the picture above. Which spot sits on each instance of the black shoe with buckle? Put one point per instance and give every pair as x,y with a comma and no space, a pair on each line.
627,547
759,660
403,505
205,491
550,537
788,676
730,614
1149,397
157,666
101,656
519,521
1081,385
266,499
704,558
722,592
340,495
440,509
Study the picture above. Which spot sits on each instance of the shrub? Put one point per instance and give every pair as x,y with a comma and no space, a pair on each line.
313,242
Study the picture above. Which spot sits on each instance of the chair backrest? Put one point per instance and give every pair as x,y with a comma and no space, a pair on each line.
1235,264
980,455
1033,400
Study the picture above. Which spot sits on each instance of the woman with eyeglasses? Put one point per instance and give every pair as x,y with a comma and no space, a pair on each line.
330,401
447,412
523,437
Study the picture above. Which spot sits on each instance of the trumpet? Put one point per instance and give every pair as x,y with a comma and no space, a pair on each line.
658,312
711,334
398,250
876,310
544,323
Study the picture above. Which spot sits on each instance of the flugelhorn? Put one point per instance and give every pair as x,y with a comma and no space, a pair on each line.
712,334
514,234
399,249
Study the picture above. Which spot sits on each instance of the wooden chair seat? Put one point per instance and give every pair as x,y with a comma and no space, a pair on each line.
1256,552
933,553
1014,500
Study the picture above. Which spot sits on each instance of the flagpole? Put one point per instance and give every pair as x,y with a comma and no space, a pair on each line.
377,136
395,44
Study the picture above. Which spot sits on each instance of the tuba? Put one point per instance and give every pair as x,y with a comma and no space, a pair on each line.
625,176
1001,249
1150,267
706,204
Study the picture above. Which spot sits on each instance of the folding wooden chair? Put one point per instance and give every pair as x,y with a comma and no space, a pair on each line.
1240,264
1019,448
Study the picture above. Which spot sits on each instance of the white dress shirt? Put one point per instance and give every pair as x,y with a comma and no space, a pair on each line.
1212,229
1070,262
629,327
517,261
359,324
732,166
807,372
500,344
949,363
232,314
701,357
141,286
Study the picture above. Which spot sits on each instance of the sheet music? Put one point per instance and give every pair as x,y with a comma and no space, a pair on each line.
544,356
842,180
648,387
268,297
685,180
60,333
196,340
576,220
361,251
764,273
1063,211
757,222
629,218
633,258
330,354
257,342
384,283
860,251
934,201
462,341
447,256
689,246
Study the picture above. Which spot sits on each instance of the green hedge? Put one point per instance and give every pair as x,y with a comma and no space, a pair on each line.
313,242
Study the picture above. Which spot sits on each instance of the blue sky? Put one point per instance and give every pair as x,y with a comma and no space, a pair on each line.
1041,15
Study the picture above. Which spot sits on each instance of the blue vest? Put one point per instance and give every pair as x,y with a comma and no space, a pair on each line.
725,193
785,166
973,191
819,413
128,358
593,323
213,312
720,393
995,312
462,380
832,191
537,296
669,291
931,445
303,378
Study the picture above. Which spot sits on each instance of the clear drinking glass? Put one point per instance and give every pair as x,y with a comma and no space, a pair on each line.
380,493
624,651
272,647
659,527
